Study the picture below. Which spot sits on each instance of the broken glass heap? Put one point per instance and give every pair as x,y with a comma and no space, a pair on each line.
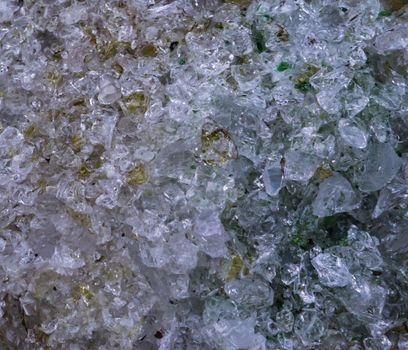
203,174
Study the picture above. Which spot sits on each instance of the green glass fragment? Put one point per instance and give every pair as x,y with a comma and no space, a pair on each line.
258,39
385,13
303,86
282,66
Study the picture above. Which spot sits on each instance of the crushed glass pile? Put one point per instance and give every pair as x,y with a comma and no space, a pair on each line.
203,174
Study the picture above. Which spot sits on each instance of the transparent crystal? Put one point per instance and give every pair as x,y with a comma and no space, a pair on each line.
335,196
64,260
209,234
403,342
7,10
109,93
365,300
246,76
332,270
330,86
284,321
208,56
352,134
395,40
238,41
272,178
50,327
381,166
309,327
73,14
357,98
300,166
251,294
377,343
